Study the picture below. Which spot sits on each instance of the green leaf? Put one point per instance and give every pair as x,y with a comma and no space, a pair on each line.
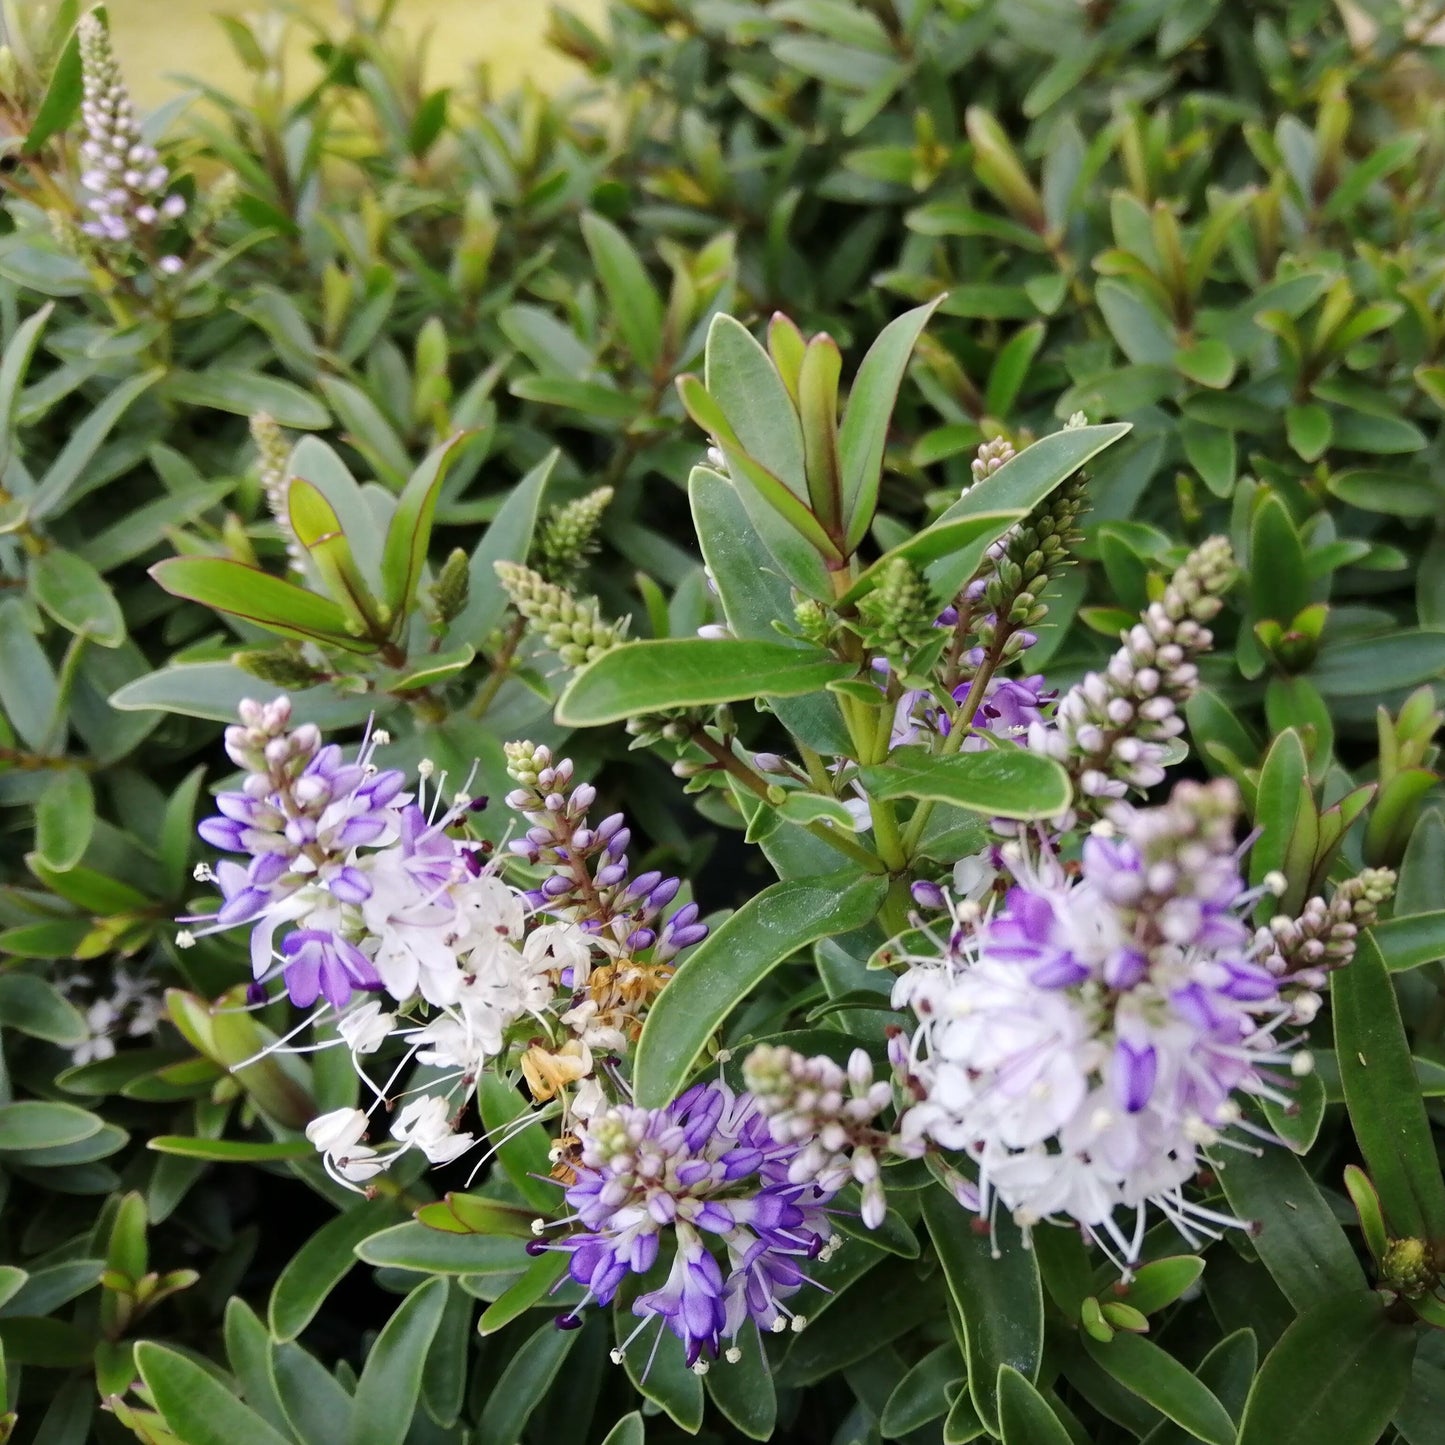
61,102
1212,452
722,970
477,1214
672,672
757,481
1393,493
1279,584
1001,783
944,539
197,1407
744,1391
864,432
246,392
532,1289
1283,803
1420,1412
28,689
631,297
1011,368
1160,1282
65,819
1157,1377
658,1370
1025,1417
259,597
1298,1237
38,1124
77,597
998,1296
1409,942
248,1352
432,1251
390,1383
629,1430
524,1384
523,1152
1141,329
1383,1098
751,400
231,1151
322,1262
1337,1375
1209,362
508,539
1019,486
409,531
922,1395
753,595
36,1007
1309,429
1228,1371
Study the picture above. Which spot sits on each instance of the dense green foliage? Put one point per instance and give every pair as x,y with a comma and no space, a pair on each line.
1220,222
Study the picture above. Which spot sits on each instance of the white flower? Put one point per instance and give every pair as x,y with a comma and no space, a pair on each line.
425,1124
366,1028
337,1137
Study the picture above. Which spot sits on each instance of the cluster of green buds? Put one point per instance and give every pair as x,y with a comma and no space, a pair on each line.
568,535
897,616
572,627
1406,1266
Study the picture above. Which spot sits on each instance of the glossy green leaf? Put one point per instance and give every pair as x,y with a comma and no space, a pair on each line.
1159,1282
1228,1372
751,400
673,672
962,536
259,597
524,1383
1279,585
430,1251
1010,369
409,531
77,597
1001,783
247,392
61,102
1337,1375
34,1006
65,819
1310,430
1020,485
1297,1235
28,688
1369,666
1025,1417
386,1393
1154,1375
658,1370
631,297
533,1288
1000,1299
1208,362
922,1395
39,1124
1410,941
864,432
1384,1103
231,1151
197,1407
629,1430
322,1262
723,970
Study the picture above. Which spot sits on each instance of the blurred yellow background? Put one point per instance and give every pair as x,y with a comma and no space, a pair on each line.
157,39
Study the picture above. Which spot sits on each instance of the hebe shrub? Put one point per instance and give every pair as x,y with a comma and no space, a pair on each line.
883,363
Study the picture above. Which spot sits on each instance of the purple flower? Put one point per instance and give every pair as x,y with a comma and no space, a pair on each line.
705,1168
318,962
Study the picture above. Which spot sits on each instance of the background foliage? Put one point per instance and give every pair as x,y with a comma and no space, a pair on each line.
1220,222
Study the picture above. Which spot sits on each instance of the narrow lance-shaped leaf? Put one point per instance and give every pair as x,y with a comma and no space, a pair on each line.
997,1291
818,411
722,970
1337,1375
196,1406
248,592
319,531
390,1383
634,302
1383,1097
864,432
409,531
1003,782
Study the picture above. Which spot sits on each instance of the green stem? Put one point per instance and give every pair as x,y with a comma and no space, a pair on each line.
501,669
755,783
961,728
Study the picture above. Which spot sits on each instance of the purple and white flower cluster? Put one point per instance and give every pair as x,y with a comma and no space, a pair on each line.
706,1178
1088,1042
125,182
